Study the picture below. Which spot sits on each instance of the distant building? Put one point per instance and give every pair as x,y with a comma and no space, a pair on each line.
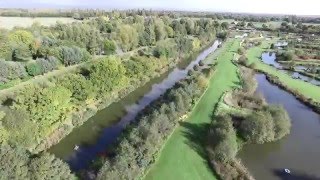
241,36
281,44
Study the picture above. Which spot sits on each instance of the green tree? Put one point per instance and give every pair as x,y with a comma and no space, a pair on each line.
281,120
222,140
109,47
21,37
21,53
159,30
33,69
128,37
258,128
47,166
13,163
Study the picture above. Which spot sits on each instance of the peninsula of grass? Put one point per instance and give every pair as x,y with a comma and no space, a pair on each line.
184,155
308,89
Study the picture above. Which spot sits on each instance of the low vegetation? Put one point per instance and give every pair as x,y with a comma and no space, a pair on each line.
136,149
258,123
18,163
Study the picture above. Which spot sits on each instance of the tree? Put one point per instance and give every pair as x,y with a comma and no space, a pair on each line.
21,37
241,50
73,55
222,140
47,166
33,69
169,31
79,86
128,37
21,53
111,69
258,128
47,65
11,70
281,120
184,44
190,26
285,24
250,24
272,46
13,163
109,47
17,163
243,60
159,30
225,25
165,49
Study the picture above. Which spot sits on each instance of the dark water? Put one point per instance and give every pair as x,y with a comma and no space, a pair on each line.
299,151
100,131
270,58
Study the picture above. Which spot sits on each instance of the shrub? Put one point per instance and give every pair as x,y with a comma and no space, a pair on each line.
47,65
281,120
17,163
272,46
11,70
21,52
241,50
243,60
33,69
258,127
196,67
109,47
73,55
222,140
21,36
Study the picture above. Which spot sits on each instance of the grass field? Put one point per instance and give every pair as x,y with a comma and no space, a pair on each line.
184,156
11,22
305,88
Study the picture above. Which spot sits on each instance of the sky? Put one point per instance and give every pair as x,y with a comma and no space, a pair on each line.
299,7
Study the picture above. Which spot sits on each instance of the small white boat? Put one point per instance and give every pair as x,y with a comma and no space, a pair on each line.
76,147
287,171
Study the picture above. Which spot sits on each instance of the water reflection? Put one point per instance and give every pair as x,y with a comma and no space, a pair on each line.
270,58
299,151
96,142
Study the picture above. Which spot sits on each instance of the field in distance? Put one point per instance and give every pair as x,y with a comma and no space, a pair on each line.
11,22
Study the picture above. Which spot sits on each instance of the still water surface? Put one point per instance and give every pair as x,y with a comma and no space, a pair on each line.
101,131
299,151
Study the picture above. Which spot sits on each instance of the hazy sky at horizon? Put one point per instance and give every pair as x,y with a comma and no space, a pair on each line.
305,7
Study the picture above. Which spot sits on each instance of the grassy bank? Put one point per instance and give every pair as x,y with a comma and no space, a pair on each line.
184,156
309,90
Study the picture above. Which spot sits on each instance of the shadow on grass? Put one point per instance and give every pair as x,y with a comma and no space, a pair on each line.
236,84
294,175
196,135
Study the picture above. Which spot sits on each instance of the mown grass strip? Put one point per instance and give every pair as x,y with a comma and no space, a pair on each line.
308,89
184,155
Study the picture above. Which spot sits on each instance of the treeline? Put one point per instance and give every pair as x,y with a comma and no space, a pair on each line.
29,52
250,120
31,113
17,163
137,147
87,13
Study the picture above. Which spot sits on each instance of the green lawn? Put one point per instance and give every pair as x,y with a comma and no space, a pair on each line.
306,88
184,156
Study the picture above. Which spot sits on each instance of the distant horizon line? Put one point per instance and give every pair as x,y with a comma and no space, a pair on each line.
154,9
